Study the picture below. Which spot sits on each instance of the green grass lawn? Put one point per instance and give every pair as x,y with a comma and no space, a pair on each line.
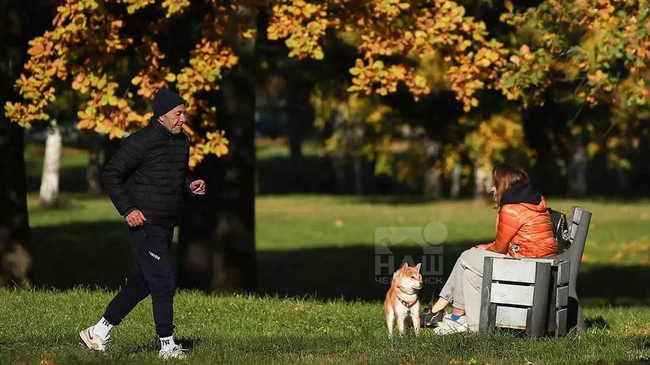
318,300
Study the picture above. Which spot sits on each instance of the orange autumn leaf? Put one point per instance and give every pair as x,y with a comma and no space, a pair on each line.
88,34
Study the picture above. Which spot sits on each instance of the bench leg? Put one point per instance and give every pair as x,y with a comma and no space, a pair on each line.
539,311
488,314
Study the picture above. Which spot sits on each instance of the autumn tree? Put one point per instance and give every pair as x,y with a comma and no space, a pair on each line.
92,63
106,52
586,53
398,42
583,54
116,53
111,54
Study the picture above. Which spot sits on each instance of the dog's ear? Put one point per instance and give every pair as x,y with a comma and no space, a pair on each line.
417,267
405,266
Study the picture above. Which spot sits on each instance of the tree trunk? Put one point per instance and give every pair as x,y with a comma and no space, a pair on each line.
216,250
217,234
93,170
623,182
432,175
110,147
295,148
340,171
456,181
49,194
481,182
577,174
294,134
15,245
357,164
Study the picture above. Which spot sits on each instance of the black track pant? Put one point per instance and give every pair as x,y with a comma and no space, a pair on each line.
153,274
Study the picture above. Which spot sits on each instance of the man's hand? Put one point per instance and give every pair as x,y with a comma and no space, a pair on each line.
197,187
135,218
478,247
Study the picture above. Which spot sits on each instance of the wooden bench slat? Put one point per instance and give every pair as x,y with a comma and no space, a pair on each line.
511,317
561,322
514,270
512,294
562,298
563,273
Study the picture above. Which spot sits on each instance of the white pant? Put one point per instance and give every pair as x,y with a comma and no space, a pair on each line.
463,287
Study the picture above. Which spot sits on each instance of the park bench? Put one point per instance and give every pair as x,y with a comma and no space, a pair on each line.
538,295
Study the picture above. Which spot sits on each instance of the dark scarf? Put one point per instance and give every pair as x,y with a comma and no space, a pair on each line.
521,193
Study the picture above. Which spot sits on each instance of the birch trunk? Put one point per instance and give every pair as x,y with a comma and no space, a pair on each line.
456,181
481,182
93,171
577,174
49,193
432,175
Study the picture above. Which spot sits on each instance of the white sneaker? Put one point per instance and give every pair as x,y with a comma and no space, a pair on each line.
92,340
448,326
176,352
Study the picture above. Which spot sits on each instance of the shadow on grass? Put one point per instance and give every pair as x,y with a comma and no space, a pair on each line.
99,255
353,272
596,322
349,273
152,345
190,343
81,254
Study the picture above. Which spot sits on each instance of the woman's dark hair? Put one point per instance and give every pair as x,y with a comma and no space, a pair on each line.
506,175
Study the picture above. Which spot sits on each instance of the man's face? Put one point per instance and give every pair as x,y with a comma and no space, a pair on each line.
174,119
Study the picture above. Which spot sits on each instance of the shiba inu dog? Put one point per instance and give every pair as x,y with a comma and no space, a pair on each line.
402,299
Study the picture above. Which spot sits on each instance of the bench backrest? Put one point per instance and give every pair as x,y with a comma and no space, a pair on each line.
578,229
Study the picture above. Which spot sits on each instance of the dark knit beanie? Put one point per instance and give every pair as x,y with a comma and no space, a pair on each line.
164,101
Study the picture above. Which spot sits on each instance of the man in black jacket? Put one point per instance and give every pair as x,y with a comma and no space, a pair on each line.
146,180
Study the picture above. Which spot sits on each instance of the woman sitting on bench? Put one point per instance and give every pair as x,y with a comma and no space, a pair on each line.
524,229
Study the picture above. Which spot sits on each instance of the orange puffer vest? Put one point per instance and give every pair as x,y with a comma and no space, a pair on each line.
524,229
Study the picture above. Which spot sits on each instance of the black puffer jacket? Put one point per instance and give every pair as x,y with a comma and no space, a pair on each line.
149,172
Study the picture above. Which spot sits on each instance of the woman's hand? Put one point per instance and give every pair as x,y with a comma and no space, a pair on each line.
478,247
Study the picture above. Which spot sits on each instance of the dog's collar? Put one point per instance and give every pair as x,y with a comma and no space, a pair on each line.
408,304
